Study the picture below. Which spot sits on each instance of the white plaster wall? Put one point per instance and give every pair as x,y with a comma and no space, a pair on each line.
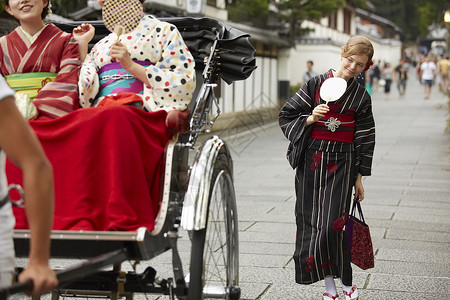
274,81
254,102
173,3
216,13
284,66
226,101
260,90
321,31
387,51
323,56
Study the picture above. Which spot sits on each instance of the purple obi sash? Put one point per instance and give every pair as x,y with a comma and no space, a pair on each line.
115,79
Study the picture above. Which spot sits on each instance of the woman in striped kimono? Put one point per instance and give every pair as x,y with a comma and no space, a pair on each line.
331,146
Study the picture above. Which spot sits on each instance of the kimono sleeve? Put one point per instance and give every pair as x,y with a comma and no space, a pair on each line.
88,83
292,120
172,78
60,97
364,137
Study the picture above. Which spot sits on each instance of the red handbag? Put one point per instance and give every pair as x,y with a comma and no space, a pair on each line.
359,240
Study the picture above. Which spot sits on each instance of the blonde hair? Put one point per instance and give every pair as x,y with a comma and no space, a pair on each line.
358,45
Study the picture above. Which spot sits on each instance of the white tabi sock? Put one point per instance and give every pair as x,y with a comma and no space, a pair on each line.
347,289
330,286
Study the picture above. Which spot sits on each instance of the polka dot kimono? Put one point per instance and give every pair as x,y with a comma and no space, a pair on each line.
171,73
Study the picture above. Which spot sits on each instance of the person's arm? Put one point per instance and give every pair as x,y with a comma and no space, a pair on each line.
88,83
364,144
120,52
359,189
318,112
83,34
23,148
60,97
170,82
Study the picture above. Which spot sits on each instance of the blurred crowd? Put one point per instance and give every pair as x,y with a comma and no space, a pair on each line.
428,68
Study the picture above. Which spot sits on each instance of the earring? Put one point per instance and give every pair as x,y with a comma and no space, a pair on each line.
49,8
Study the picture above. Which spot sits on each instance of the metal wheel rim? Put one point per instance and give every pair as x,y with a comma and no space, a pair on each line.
221,246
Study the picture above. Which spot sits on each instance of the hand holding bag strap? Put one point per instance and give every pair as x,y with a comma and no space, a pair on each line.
357,204
361,216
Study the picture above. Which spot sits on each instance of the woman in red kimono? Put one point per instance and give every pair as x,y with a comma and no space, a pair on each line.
40,60
330,159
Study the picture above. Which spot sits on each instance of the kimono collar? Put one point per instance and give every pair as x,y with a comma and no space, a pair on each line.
30,37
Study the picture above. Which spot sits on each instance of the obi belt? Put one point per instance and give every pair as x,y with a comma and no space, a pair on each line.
334,127
115,79
30,83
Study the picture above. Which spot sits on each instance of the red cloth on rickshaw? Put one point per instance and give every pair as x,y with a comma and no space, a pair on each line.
107,165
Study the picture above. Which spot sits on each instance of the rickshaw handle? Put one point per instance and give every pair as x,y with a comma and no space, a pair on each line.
87,268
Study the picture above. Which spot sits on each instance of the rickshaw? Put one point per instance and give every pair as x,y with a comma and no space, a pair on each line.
197,194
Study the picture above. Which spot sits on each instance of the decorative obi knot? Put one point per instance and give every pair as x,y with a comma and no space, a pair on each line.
334,127
115,79
30,83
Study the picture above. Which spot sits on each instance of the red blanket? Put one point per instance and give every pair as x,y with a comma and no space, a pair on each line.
107,164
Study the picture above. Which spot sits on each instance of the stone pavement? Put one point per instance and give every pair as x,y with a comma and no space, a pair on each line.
407,205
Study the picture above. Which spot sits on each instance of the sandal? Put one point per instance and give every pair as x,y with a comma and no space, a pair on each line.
348,296
329,296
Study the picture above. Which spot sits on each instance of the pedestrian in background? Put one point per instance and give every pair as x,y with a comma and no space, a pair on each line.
444,65
401,72
428,72
21,145
331,148
375,76
310,73
387,76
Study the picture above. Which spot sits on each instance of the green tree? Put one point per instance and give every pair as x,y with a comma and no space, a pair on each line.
64,7
403,13
253,11
294,12
414,17
432,13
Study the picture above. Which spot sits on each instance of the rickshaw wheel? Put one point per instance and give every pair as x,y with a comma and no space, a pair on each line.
214,268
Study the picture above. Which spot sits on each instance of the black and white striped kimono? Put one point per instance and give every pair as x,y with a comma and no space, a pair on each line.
328,156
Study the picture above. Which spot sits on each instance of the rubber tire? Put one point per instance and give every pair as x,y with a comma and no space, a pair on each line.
198,267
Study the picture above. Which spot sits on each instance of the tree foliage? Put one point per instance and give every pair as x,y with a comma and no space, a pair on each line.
432,13
254,11
414,17
64,7
294,12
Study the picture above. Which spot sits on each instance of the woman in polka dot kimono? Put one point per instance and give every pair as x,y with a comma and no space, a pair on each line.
151,61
